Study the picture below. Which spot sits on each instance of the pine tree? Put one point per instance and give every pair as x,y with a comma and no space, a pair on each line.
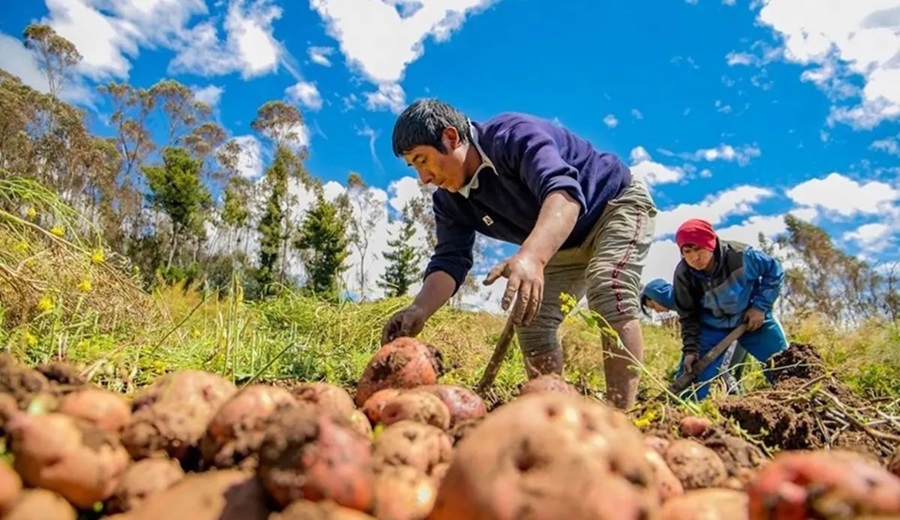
403,257
322,242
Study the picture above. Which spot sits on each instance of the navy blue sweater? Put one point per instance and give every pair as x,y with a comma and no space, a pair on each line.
530,157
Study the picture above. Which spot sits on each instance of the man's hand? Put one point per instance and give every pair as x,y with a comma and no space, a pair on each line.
407,322
754,318
690,360
525,274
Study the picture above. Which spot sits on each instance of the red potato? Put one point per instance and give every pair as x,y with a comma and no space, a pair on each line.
695,465
10,487
548,383
311,456
414,444
463,404
692,426
235,432
657,443
549,455
403,363
142,480
416,406
361,423
106,410
822,484
668,484
186,386
325,397
41,504
402,493
229,494
706,504
374,405
324,510
66,455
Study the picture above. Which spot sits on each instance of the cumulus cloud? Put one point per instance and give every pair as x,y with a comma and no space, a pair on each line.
644,167
210,94
843,196
714,208
305,93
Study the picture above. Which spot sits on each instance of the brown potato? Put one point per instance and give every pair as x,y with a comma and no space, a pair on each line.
314,456
695,465
692,426
67,455
414,444
374,405
141,480
186,386
107,410
324,510
463,404
548,383
10,487
707,504
403,363
549,455
668,484
402,493
657,443
325,397
417,406
822,484
41,504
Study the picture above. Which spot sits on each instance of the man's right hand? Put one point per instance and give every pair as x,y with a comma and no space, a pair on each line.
407,322
689,361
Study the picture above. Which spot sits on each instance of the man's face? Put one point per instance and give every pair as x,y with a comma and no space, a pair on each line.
696,257
444,170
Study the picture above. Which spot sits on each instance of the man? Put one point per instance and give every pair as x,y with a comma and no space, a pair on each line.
659,295
583,224
718,285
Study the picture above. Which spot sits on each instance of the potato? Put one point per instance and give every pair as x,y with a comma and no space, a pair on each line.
186,386
706,504
822,484
894,463
361,423
324,510
691,426
657,443
463,404
403,493
41,504
459,431
695,465
141,480
416,406
414,444
314,456
668,484
234,433
549,455
10,487
67,455
324,396
439,472
229,494
106,410
548,383
20,382
374,405
403,363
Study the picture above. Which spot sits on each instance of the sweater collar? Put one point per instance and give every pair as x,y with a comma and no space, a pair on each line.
485,162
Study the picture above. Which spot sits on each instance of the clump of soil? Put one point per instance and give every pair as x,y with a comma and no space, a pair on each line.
800,362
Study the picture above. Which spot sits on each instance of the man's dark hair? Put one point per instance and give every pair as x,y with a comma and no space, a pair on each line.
423,122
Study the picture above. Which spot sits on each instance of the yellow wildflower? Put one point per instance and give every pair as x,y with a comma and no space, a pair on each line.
21,247
58,231
29,338
85,286
98,257
45,303
31,213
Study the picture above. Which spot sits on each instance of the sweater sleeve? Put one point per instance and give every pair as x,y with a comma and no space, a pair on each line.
767,276
532,152
688,312
453,251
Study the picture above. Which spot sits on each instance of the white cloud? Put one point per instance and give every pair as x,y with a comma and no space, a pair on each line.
389,96
610,121
859,38
844,196
722,107
873,236
210,94
725,152
381,41
250,164
714,208
319,55
403,190
661,261
653,172
305,93
890,145
21,62
740,58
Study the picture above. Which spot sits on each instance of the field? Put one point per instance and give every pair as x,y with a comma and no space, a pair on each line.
123,404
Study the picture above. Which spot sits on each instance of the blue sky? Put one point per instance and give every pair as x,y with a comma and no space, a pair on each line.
732,110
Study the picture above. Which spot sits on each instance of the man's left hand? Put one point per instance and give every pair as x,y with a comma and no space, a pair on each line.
754,318
525,274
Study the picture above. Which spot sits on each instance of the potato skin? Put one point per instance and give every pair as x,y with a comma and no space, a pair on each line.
325,397
402,493
548,383
706,504
668,484
324,510
403,363
695,465
463,403
549,455
374,405
107,410
41,504
692,426
416,406
66,455
820,484
414,444
10,487
142,480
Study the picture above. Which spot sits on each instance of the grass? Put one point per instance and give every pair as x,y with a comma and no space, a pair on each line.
64,298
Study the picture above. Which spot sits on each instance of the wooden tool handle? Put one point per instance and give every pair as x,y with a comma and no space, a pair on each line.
687,378
493,366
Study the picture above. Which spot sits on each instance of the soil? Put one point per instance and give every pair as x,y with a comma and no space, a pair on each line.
20,382
61,374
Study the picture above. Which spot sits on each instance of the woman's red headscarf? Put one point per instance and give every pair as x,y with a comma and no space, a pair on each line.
698,232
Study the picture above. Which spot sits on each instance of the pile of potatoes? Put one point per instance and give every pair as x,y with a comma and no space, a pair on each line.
402,446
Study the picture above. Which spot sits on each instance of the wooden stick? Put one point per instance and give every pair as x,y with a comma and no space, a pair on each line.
493,366
687,378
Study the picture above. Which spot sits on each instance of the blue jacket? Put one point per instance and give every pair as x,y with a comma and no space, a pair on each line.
660,291
743,277
526,158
